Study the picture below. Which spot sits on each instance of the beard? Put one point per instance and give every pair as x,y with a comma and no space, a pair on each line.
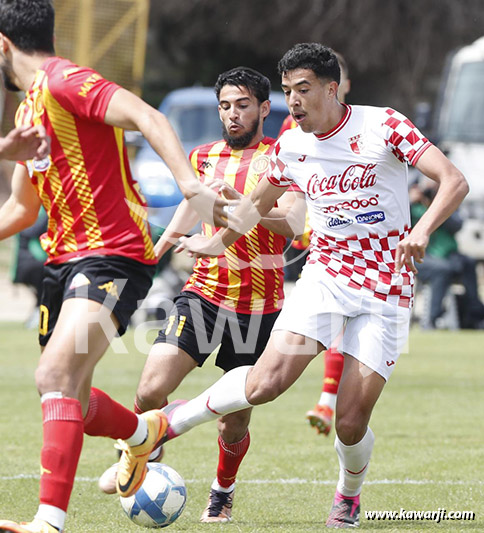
241,141
6,72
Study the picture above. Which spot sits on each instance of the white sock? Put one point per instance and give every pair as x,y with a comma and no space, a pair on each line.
225,396
140,434
328,399
53,515
219,488
154,454
353,463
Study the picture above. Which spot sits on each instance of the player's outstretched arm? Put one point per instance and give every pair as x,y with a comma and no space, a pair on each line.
453,188
249,212
25,143
184,219
127,111
22,207
289,217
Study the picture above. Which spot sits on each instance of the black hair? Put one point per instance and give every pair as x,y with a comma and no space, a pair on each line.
29,24
320,59
254,81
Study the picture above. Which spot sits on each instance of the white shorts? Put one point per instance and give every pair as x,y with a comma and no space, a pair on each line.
375,331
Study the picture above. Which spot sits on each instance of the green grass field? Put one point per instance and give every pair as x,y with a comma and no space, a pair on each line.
428,452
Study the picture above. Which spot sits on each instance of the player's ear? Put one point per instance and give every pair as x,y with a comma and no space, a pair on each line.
3,43
265,108
332,88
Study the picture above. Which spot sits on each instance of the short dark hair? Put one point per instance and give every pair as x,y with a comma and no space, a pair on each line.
320,59
254,81
29,24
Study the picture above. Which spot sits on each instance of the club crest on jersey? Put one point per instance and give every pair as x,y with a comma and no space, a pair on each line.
338,222
260,164
41,165
38,165
357,143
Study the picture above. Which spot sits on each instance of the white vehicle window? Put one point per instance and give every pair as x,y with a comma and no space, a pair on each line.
466,106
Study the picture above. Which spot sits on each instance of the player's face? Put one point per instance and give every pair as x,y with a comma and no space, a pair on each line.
7,79
311,101
6,70
242,116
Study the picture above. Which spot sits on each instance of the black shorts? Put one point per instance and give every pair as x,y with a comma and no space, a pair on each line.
198,327
117,282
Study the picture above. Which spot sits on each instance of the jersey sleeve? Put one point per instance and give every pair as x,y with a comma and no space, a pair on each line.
278,174
83,92
403,138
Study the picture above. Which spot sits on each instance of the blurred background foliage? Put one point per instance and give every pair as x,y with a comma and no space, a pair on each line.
396,49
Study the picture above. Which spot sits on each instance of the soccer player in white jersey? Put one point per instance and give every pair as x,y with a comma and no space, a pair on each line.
351,162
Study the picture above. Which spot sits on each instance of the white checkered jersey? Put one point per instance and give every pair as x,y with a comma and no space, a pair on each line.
355,181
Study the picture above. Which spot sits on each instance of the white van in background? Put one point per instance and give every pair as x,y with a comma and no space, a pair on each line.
459,132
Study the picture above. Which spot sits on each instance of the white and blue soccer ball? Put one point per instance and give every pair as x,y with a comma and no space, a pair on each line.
160,500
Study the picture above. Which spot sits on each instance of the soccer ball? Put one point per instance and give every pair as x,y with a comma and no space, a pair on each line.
160,500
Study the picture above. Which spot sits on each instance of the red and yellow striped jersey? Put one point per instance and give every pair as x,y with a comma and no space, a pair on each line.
93,203
248,277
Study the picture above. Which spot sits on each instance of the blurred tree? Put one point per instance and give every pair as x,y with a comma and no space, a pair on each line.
395,49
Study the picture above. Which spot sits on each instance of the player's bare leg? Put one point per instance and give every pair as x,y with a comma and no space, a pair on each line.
358,392
62,377
284,359
82,334
164,370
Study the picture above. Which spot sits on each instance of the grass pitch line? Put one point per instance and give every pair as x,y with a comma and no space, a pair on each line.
293,481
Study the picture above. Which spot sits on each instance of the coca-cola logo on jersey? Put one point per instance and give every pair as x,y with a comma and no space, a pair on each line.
353,178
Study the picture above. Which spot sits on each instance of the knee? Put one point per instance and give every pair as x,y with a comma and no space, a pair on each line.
350,428
233,427
149,397
262,391
49,378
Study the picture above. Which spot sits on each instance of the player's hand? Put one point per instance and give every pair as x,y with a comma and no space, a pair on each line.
25,143
410,250
200,246
213,208
227,191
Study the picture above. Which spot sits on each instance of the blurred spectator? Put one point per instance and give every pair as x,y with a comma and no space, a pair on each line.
444,264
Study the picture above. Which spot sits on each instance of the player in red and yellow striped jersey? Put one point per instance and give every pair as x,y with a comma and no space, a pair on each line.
231,300
100,254
248,278
93,203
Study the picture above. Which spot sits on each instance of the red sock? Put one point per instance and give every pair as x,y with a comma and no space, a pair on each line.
333,368
108,418
229,458
63,436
